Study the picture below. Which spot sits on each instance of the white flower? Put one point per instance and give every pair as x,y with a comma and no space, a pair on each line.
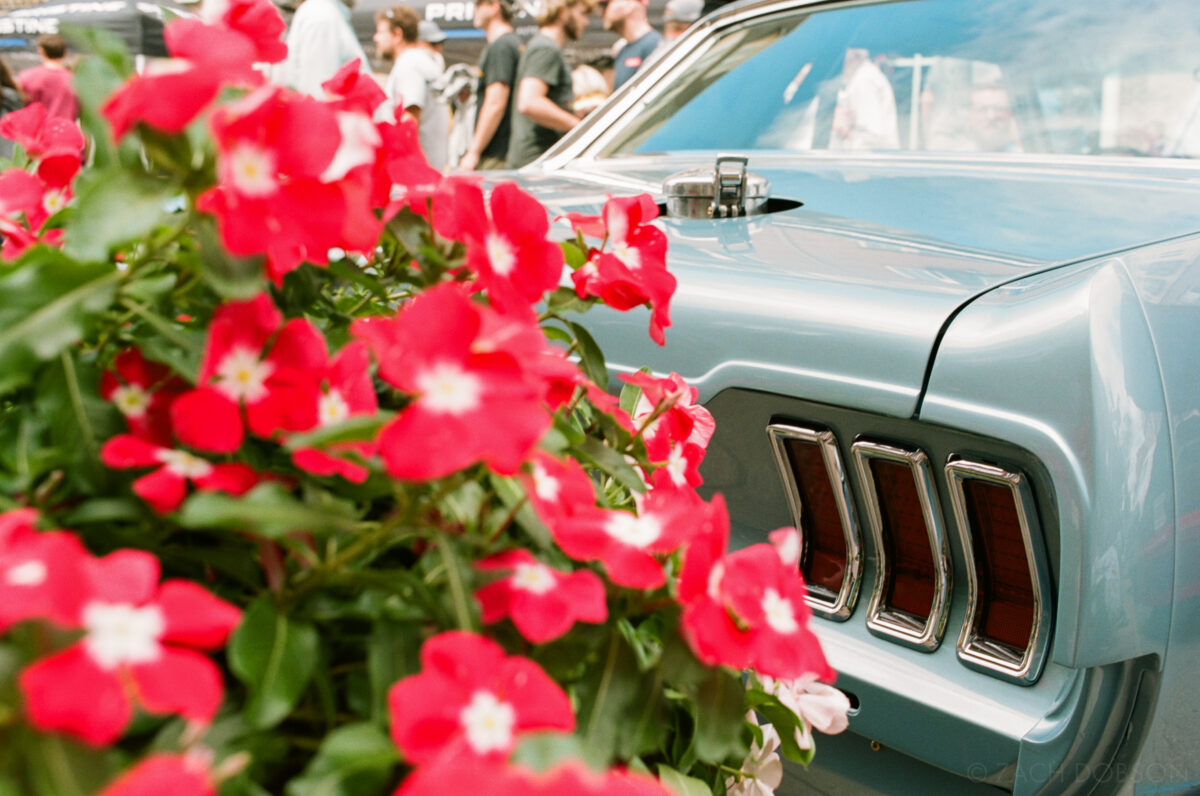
763,770
819,705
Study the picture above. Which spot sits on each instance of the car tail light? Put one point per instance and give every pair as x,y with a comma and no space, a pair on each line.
1007,623
912,581
819,497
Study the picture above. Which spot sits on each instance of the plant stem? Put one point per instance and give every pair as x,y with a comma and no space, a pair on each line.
462,613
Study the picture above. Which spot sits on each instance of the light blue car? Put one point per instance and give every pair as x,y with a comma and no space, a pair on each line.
947,316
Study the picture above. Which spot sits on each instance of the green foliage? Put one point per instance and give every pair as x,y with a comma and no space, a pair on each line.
274,656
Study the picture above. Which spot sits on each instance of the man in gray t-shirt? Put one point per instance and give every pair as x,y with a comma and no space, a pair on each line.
544,98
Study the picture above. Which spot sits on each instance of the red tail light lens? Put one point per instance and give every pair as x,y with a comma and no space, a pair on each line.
911,576
1004,586
823,562
912,583
1007,628
819,496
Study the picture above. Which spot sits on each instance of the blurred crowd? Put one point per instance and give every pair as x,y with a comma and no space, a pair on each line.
515,103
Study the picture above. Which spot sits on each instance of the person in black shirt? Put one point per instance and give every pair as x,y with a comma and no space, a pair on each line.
545,99
493,115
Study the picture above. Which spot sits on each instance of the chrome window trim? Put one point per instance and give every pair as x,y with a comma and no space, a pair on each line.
973,651
893,624
838,606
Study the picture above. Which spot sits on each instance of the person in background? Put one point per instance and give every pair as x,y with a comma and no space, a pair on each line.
12,98
50,83
678,16
457,89
590,87
319,40
409,85
432,38
498,67
545,99
627,19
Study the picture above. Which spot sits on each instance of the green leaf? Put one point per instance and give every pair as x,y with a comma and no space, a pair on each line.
353,429
612,463
114,206
511,495
565,299
785,722
392,653
346,269
268,510
541,751
719,704
274,657
682,784
61,767
355,760
620,706
50,302
591,357
231,277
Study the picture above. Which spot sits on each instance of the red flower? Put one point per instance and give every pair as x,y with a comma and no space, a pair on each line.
633,272
746,609
507,248
140,644
347,391
402,176
472,402
490,777
39,572
282,158
472,698
627,543
279,387
161,773
257,21
166,487
542,602
142,391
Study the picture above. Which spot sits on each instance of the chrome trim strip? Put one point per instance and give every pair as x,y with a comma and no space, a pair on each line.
824,602
898,625
974,651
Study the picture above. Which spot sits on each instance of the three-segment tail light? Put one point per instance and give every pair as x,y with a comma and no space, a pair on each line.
822,510
1008,615
912,581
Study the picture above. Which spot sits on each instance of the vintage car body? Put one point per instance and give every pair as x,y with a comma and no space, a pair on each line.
1027,321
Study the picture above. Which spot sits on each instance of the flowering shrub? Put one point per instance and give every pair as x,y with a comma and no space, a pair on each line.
310,482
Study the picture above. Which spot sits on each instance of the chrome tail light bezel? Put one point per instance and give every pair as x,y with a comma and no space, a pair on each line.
896,625
973,650
823,602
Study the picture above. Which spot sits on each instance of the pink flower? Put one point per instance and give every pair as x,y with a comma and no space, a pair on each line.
54,143
274,195
166,487
142,391
680,421
557,487
507,247
140,645
351,89
472,401
221,48
627,543
819,706
23,211
746,609
256,360
472,698
633,271
162,773
39,572
542,602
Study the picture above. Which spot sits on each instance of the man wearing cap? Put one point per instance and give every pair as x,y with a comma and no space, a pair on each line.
498,67
431,37
678,16
409,84
545,99
627,19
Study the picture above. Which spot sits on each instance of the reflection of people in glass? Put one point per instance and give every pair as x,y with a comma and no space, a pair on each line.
865,115
991,122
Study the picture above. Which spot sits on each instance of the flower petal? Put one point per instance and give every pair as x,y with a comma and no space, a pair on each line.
68,692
